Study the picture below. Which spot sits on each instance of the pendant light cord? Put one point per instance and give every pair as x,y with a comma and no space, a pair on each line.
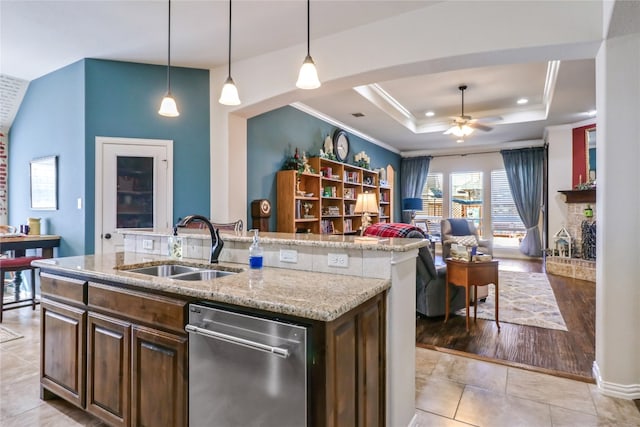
169,52
229,38
308,29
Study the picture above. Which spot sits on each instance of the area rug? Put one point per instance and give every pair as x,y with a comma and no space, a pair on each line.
525,299
8,335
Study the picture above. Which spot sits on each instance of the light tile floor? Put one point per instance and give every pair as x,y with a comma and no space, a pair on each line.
451,391
456,391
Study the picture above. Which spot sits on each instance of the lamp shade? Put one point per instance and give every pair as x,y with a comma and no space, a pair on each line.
168,107
229,94
308,76
366,203
412,204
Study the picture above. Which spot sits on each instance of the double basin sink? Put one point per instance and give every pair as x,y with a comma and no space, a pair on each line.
181,272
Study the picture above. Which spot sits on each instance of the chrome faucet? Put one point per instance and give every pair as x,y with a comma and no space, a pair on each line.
216,240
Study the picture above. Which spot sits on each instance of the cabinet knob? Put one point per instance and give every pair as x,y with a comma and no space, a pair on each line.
107,236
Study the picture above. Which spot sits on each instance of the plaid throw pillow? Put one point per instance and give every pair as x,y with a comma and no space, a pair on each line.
393,230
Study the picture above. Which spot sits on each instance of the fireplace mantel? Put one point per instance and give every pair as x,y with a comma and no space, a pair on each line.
580,196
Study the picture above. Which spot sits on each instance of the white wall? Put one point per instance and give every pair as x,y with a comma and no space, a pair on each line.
560,139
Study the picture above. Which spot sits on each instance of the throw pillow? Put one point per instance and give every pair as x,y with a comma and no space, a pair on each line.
465,240
459,226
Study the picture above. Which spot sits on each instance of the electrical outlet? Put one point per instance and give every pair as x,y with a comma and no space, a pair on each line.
147,244
338,260
288,255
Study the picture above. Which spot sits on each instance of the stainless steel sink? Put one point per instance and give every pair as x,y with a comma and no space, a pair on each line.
165,270
182,272
202,275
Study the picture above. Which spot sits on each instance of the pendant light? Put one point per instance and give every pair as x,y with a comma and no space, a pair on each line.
229,94
168,107
308,77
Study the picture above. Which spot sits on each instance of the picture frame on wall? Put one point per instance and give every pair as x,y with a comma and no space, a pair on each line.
43,173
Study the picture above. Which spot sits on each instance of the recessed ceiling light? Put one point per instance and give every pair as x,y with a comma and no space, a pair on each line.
429,114
592,113
522,101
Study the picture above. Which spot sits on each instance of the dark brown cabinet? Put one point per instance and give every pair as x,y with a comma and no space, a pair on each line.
108,364
159,375
62,368
101,351
350,385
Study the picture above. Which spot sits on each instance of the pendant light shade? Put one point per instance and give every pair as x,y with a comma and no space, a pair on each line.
168,107
229,93
308,77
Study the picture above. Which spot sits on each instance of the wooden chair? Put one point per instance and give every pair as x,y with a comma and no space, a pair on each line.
17,265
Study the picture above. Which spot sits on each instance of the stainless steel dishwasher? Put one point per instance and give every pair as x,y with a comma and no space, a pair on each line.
245,370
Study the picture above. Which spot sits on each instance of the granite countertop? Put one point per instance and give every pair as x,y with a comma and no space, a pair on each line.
317,296
296,239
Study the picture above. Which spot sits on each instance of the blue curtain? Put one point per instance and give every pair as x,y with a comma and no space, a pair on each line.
524,169
413,177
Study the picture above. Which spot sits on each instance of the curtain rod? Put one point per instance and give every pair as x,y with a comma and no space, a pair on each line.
489,152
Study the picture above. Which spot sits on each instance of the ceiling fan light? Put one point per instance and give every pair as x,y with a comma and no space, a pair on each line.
308,77
466,130
229,93
168,107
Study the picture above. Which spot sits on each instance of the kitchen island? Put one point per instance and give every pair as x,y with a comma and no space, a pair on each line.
360,375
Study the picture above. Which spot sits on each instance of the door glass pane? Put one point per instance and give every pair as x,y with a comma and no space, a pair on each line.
432,203
135,192
506,225
466,197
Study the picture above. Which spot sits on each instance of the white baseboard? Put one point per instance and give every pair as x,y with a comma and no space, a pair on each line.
621,391
414,420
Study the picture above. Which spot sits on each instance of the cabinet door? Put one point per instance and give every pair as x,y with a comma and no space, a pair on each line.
62,364
108,364
159,378
371,374
355,383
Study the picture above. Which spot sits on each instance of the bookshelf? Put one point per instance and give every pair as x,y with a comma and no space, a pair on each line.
330,198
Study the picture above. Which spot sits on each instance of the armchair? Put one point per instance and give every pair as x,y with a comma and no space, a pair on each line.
430,280
463,231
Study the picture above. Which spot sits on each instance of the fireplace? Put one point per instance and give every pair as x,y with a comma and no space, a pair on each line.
582,229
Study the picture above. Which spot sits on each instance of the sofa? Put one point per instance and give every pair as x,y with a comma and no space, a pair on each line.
430,280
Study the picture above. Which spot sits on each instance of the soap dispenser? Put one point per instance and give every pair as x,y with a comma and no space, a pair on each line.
255,252
175,245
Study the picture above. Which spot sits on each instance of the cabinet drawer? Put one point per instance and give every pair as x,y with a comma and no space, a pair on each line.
63,289
154,310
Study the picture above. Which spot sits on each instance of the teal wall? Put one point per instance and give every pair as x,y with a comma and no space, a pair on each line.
273,136
122,100
50,121
64,111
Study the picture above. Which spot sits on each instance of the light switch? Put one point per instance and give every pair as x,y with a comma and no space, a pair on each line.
79,202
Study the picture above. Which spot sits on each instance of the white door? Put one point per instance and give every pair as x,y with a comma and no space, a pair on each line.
134,188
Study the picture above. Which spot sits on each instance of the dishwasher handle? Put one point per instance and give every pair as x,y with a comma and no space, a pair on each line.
278,351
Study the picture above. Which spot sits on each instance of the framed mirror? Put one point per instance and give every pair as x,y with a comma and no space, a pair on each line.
44,183
590,151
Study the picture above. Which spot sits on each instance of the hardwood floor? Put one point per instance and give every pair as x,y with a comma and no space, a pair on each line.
565,353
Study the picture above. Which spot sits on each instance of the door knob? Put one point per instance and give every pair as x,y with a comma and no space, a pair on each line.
107,236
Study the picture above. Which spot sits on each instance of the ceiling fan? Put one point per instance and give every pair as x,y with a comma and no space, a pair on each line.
464,125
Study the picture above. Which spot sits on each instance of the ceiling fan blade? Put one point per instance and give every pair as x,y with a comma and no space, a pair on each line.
481,127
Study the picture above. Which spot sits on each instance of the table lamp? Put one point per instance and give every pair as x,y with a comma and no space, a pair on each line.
366,204
412,204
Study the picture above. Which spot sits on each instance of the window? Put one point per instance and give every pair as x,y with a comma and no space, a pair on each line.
506,226
466,197
432,203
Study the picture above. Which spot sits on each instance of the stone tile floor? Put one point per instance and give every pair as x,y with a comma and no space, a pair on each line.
456,391
450,391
